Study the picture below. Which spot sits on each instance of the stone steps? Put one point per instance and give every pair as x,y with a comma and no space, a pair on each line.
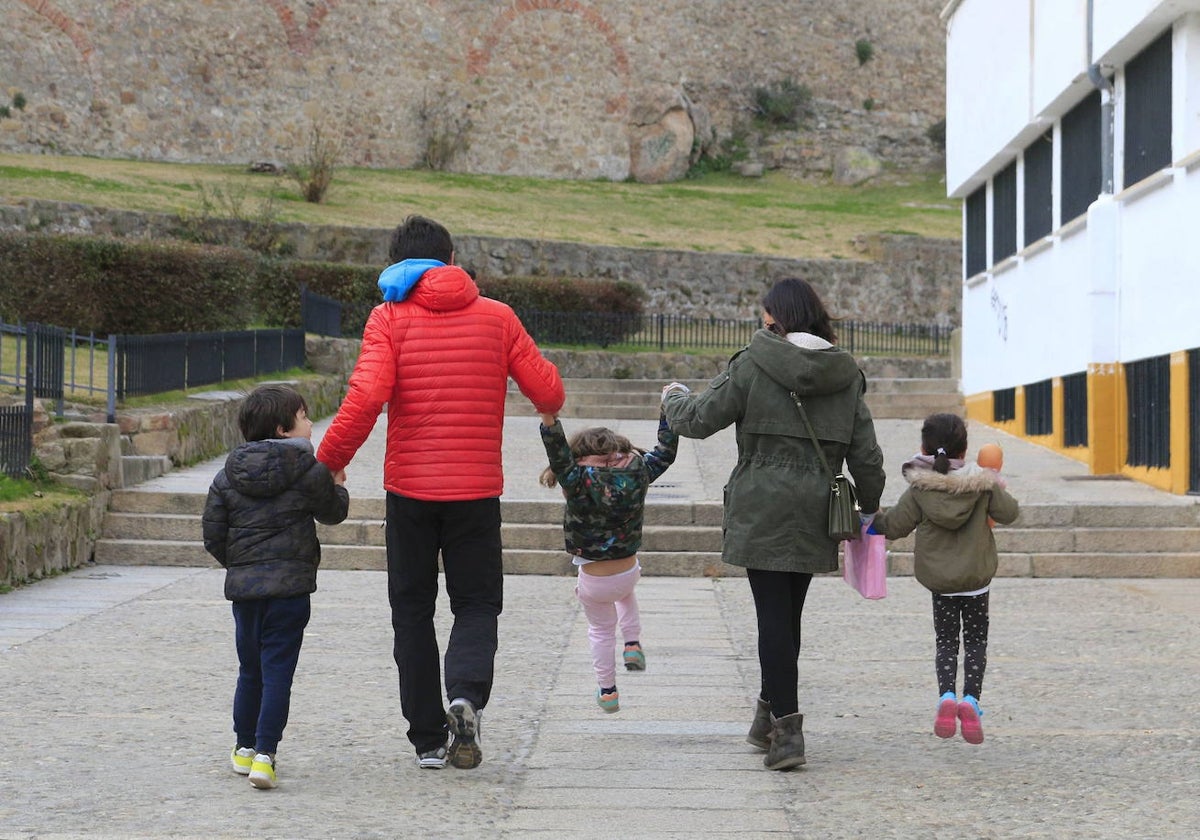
638,399
145,528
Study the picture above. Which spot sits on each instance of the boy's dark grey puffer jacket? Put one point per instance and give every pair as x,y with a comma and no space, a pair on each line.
258,520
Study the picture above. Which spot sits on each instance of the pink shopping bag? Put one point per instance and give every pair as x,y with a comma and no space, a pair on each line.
864,565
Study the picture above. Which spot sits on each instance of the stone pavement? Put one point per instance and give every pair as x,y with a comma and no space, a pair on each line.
116,682
115,685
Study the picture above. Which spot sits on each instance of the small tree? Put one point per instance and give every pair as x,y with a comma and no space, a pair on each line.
445,130
314,174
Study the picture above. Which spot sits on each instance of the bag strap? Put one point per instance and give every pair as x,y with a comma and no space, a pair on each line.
813,435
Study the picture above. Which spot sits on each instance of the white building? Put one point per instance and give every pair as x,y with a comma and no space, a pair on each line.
1073,136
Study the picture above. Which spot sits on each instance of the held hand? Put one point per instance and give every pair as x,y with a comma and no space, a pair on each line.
339,477
549,420
868,522
675,386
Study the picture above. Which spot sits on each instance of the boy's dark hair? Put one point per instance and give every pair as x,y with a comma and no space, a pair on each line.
419,238
944,436
268,408
796,307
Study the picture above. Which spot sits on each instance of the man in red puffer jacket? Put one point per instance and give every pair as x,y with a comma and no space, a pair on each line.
440,355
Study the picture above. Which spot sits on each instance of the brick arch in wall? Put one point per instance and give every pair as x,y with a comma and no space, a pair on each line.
300,39
479,58
72,29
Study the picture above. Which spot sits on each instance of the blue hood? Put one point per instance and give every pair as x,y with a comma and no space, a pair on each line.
397,280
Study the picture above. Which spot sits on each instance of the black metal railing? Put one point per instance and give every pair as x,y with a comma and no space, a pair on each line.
1194,420
31,358
1148,396
62,361
681,332
322,315
16,437
1039,408
1004,405
149,364
45,346
319,314
1075,410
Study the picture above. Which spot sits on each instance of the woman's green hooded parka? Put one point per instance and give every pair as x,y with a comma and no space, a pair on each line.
777,497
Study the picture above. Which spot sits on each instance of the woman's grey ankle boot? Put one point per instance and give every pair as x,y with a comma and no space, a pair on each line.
787,743
760,729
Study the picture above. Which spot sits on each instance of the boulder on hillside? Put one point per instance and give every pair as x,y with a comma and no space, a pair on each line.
661,135
854,164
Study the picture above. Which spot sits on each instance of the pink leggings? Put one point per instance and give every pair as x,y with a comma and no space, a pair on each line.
608,600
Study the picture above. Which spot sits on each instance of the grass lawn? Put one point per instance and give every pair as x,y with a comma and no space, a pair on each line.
775,215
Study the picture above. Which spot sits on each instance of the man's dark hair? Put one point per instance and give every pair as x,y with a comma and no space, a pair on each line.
419,238
796,307
267,409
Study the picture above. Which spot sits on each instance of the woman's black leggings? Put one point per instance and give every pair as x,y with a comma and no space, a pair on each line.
971,611
779,603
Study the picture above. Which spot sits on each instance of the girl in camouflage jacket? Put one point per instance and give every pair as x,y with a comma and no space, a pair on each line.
605,478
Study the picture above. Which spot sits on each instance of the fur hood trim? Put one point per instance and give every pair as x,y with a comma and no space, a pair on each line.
970,478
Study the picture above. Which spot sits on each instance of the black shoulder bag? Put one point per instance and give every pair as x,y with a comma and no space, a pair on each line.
844,522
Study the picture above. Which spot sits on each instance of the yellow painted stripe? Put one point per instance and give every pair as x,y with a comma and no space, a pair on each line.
1180,425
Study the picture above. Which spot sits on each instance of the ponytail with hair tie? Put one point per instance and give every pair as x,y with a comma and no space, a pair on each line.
942,432
941,462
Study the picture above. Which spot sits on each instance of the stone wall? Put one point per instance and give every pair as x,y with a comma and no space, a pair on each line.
87,456
903,279
559,88
205,426
49,538
664,367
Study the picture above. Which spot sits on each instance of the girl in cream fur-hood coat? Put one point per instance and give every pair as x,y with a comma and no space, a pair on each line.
955,551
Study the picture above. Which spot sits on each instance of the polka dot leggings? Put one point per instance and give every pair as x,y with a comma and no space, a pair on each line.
971,613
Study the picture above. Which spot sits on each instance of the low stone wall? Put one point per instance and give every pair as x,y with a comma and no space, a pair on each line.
206,426
896,279
87,456
50,538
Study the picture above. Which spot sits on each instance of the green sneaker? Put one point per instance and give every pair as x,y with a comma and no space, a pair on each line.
610,701
262,771
242,758
635,658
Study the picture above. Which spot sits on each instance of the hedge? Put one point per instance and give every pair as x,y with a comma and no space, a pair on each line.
105,285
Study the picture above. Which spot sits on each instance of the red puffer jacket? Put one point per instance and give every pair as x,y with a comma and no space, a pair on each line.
441,360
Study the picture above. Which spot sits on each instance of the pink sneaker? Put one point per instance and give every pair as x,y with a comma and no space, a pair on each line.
946,723
968,715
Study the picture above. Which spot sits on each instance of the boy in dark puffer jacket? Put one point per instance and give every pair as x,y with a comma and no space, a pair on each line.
258,523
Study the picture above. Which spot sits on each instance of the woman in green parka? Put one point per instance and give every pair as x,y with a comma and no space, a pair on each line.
777,497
